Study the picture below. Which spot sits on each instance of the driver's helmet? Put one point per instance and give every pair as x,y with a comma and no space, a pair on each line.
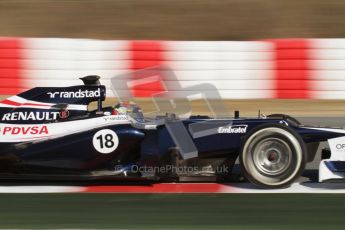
121,108
124,108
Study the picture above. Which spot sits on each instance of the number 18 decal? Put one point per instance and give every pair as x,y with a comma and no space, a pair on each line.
105,141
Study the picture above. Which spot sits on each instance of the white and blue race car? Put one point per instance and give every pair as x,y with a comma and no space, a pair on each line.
48,133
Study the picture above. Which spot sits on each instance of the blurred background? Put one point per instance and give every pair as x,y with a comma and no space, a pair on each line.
279,56
173,20
287,49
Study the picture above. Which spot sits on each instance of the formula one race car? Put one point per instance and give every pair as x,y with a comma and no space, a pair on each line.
48,133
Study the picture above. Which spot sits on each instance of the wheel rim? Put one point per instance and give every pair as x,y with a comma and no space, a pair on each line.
288,149
272,156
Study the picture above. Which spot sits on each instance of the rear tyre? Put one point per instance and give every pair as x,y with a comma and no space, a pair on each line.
273,156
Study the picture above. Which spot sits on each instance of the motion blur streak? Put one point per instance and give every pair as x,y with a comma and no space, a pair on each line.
172,211
265,69
173,20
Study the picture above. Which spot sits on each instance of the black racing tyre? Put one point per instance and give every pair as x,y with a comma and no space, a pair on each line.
273,156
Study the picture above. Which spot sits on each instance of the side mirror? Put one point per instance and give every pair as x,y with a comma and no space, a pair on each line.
91,80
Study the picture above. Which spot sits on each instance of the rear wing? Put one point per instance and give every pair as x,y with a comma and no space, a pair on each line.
40,103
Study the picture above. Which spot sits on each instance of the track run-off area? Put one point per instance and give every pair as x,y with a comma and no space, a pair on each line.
177,188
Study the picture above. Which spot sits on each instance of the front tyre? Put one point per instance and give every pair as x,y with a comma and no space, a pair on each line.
273,156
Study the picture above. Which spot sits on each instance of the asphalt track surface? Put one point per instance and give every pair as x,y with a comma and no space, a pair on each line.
177,211
182,211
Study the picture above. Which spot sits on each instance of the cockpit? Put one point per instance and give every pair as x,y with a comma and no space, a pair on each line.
130,109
